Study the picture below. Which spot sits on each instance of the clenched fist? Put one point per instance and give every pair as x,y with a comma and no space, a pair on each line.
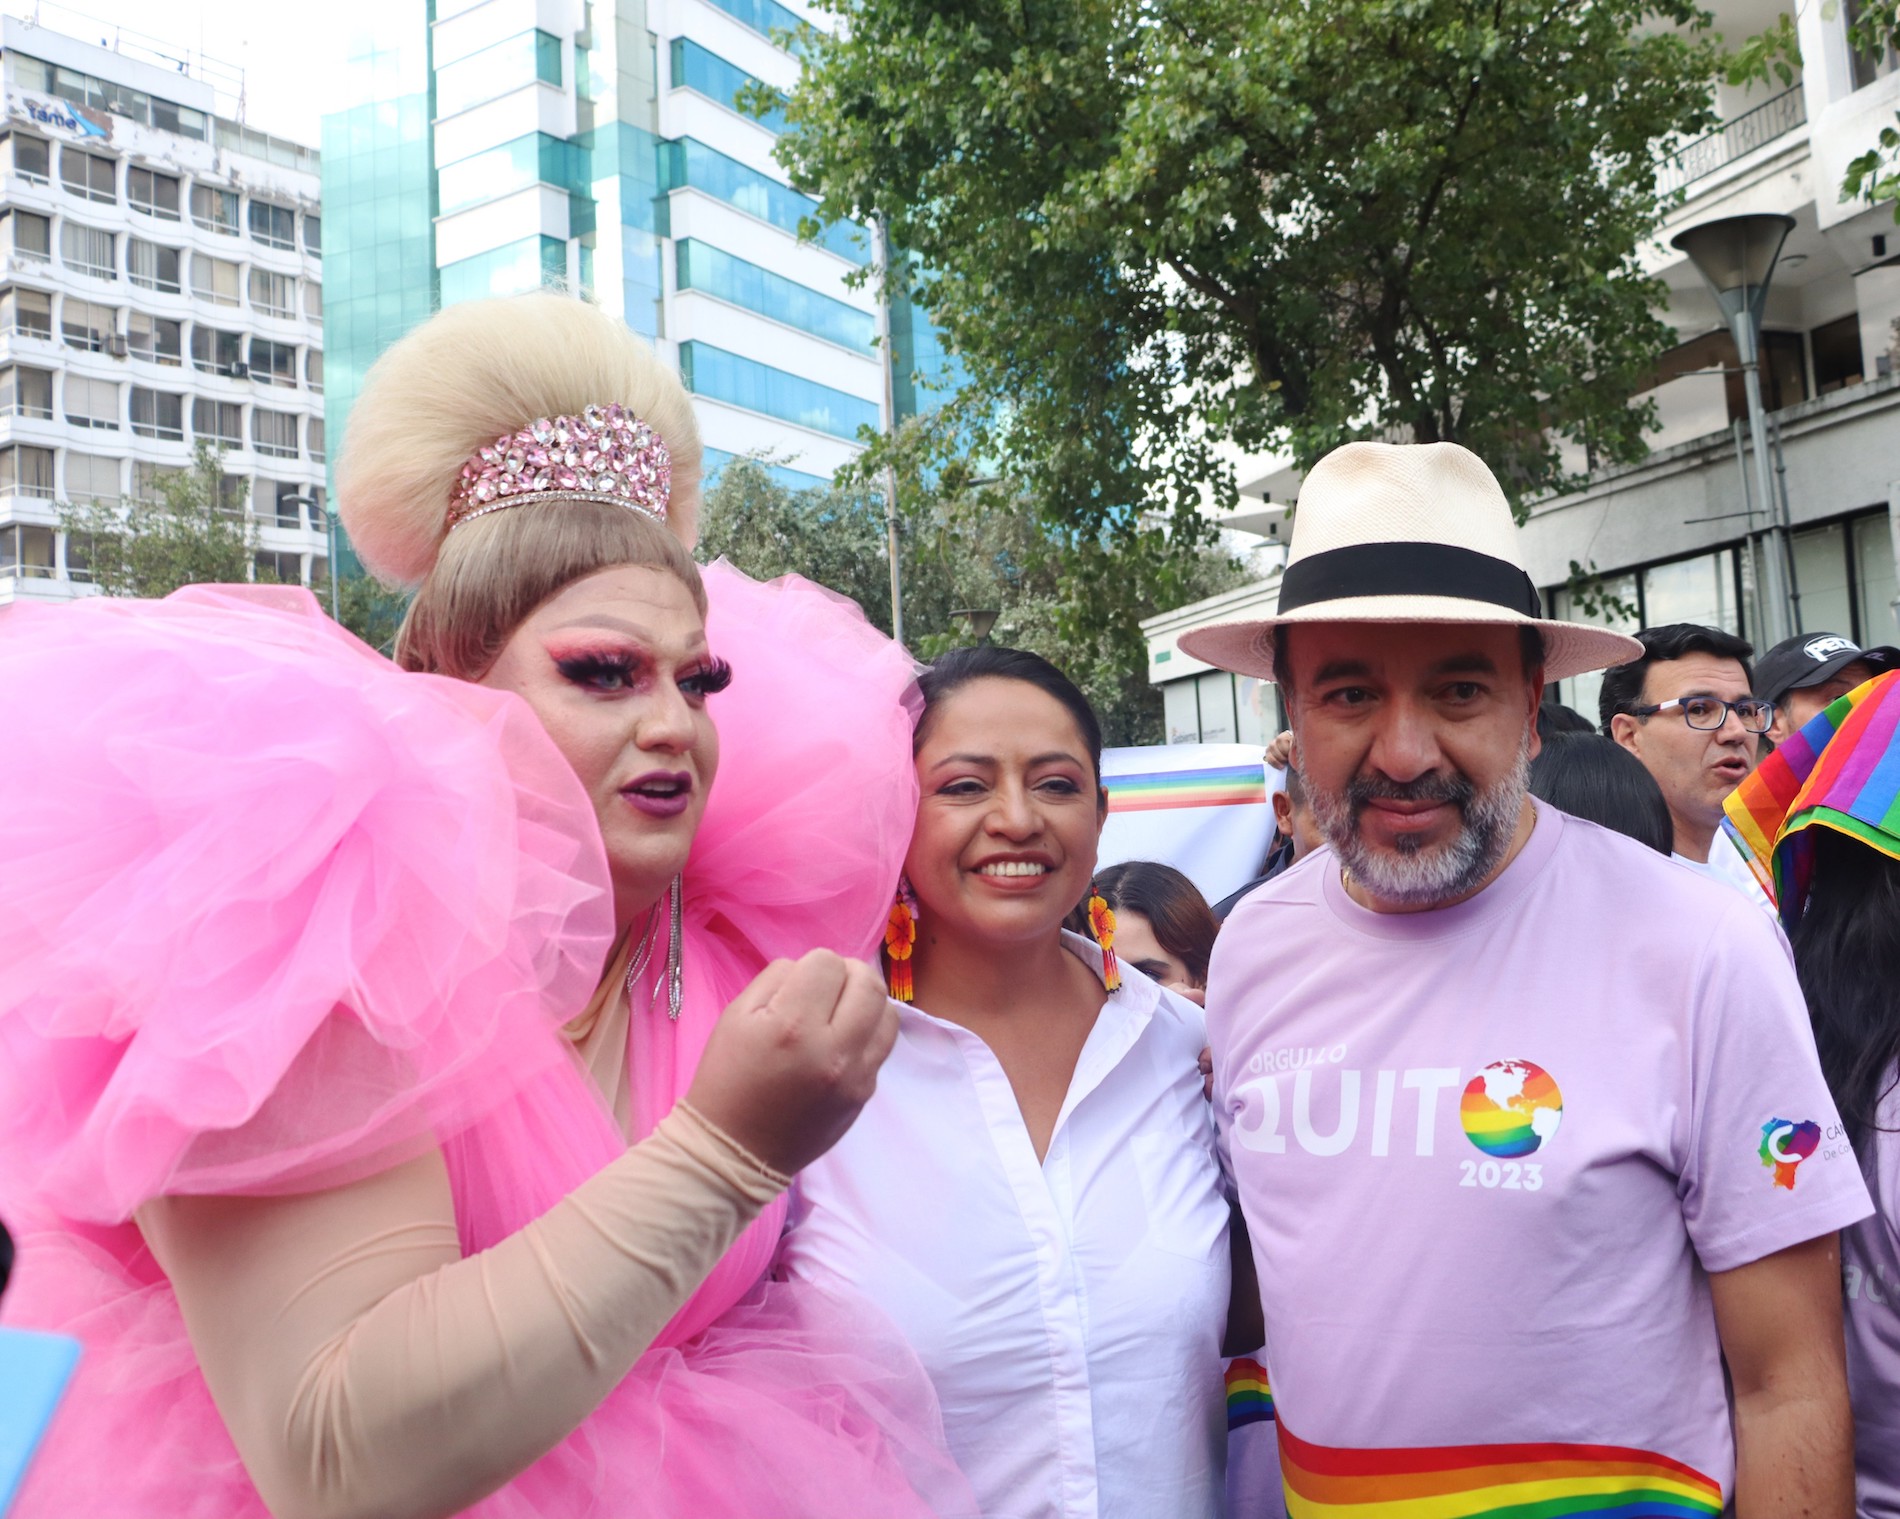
795,1057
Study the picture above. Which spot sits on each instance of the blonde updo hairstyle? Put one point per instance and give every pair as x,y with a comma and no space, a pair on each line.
464,378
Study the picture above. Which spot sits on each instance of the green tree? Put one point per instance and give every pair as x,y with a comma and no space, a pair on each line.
969,541
192,532
1152,225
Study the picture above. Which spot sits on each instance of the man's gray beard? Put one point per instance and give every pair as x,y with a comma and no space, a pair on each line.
1413,876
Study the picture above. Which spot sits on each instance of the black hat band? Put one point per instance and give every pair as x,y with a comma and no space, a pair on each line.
1407,569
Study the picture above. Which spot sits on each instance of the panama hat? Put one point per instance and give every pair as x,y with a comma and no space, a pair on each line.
1412,532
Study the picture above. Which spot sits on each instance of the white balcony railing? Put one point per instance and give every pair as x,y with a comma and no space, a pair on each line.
1739,135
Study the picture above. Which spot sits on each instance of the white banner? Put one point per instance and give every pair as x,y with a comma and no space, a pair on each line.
1201,808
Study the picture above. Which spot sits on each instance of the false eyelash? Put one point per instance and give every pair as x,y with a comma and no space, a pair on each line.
588,668
713,679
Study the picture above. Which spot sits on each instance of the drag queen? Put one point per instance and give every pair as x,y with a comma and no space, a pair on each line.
374,1126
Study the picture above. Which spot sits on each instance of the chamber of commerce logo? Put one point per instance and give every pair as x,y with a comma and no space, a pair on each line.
1785,1145
1510,1108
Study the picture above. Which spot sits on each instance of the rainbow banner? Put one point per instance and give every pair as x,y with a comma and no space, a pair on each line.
1249,1397
1540,1481
1841,771
1198,807
1225,786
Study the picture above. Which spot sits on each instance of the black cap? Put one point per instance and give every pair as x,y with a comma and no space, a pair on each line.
1807,659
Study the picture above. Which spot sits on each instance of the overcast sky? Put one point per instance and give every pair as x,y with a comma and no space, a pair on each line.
270,43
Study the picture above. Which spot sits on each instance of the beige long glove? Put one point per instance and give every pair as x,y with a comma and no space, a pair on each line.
365,1368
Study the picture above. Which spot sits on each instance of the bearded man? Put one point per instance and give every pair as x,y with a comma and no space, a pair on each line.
1527,1122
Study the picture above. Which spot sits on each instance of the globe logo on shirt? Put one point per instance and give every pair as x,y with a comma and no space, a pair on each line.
1510,1108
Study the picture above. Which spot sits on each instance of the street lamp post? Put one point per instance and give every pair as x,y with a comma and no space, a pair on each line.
1735,256
982,619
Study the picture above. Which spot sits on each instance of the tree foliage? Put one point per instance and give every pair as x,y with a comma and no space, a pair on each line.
967,542
1152,225
1875,174
188,535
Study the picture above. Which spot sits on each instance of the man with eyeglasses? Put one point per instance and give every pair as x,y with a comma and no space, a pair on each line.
1688,711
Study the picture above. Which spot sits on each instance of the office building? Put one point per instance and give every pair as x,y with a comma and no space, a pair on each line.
162,286
492,146
1672,538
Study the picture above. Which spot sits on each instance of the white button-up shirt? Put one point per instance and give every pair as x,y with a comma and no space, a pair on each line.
1069,1312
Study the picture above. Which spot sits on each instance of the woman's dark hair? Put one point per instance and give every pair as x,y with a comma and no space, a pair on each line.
1597,779
1184,925
951,672
1847,954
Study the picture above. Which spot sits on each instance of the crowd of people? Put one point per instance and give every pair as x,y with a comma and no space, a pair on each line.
649,1049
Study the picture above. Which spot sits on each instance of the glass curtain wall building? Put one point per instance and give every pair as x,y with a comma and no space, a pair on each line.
493,146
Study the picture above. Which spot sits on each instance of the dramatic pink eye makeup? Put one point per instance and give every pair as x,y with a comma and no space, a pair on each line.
597,666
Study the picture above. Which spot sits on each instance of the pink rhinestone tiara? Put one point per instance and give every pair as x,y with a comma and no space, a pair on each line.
605,454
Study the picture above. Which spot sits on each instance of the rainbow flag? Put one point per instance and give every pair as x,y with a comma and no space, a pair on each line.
1227,786
1542,1481
1841,771
1249,1398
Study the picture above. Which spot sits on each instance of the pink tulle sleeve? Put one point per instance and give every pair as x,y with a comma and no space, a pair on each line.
273,913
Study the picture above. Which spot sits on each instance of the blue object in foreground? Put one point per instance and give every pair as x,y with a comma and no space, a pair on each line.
34,1370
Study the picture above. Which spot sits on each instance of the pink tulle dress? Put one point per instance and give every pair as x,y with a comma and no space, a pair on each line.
275,915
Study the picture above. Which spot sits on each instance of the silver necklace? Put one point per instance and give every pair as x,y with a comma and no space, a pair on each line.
674,979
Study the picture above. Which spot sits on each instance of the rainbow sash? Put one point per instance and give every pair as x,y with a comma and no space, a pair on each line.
1491,1482
1841,771
1249,1398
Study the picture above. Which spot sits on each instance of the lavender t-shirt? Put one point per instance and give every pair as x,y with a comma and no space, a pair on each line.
1870,1258
1488,1155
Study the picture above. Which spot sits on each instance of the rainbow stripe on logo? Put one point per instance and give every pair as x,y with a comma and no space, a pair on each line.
1249,1398
1224,786
1491,1482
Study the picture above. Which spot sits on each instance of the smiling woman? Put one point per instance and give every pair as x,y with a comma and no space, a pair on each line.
1032,1194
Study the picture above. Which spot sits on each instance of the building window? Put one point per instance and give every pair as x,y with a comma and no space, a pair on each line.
689,164
278,567
274,433
273,294
158,414
313,300
30,158
522,265
26,472
153,193
216,351
154,338
215,210
214,279
91,477
273,363
88,250
92,403
149,480
152,265
706,73
497,70
220,421
26,552
86,326
28,313
89,176
313,233
102,95
313,369
30,236
273,226
314,429
26,392
1835,347
700,266
722,376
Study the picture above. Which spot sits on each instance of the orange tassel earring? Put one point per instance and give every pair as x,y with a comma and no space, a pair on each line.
900,938
1102,925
